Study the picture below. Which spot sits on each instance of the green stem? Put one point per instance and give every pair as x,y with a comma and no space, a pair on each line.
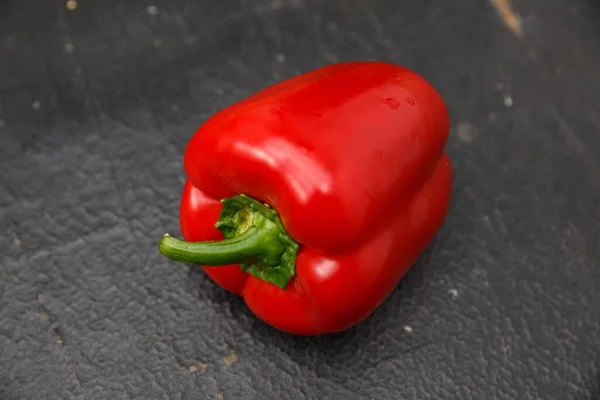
245,248
254,238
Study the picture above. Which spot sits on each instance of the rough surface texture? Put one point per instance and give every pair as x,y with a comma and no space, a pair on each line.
96,106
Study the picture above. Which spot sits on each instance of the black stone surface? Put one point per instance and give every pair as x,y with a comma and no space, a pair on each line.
96,107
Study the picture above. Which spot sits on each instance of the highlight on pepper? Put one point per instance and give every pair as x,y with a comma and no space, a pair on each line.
312,198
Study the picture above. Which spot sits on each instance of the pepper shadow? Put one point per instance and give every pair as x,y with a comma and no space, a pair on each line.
344,357
380,335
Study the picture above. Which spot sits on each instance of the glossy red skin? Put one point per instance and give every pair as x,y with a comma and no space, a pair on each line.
352,158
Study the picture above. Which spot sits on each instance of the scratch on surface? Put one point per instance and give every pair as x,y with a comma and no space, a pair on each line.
573,141
572,138
75,378
16,240
67,358
379,29
510,18
58,337
230,359
198,367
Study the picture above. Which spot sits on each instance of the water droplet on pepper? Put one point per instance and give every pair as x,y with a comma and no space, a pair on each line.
393,103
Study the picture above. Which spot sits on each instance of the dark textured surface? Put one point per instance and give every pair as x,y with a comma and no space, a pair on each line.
96,106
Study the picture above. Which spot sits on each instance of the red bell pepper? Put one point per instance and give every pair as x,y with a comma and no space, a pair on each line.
313,197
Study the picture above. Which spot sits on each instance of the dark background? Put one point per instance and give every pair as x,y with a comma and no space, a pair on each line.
96,107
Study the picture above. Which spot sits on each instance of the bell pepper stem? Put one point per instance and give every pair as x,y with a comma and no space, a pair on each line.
254,238
245,248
